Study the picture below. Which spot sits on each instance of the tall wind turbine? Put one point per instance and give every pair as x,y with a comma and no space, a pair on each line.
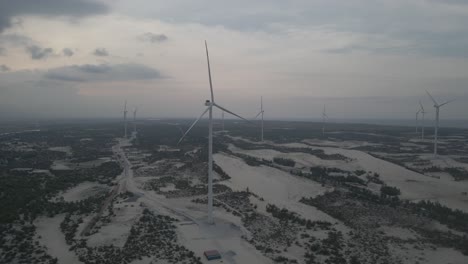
134,120
324,117
261,113
125,119
423,112
436,125
209,109
417,120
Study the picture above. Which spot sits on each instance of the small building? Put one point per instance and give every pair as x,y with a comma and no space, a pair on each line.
212,254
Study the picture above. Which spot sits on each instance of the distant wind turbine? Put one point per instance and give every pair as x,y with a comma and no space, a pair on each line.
417,120
134,120
436,125
423,112
324,117
261,113
125,119
210,105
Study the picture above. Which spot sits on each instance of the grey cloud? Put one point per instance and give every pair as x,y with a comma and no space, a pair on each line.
15,40
152,37
67,52
2,51
4,68
431,27
103,72
39,53
72,8
101,52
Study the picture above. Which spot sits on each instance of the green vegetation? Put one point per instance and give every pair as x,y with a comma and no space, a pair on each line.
284,162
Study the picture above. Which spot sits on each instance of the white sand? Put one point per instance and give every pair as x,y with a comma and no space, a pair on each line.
52,237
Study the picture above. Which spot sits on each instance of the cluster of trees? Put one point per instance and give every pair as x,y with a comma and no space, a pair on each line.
453,218
322,175
288,216
268,234
224,176
151,236
389,190
284,162
363,206
375,178
459,174
17,245
315,152
330,248
37,158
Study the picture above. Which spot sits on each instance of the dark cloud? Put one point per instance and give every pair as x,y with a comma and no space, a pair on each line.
101,52
15,40
103,72
67,52
4,68
72,8
39,53
152,37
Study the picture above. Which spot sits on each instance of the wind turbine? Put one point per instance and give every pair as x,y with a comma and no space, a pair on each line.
209,109
125,119
324,117
417,120
261,113
134,120
423,112
436,127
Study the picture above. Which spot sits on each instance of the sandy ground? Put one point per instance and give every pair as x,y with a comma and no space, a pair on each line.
275,186
50,235
194,232
414,186
83,191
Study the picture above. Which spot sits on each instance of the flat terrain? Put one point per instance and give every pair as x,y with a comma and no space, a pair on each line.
358,194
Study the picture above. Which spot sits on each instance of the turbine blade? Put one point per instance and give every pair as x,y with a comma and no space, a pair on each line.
181,131
447,102
227,111
209,72
258,114
432,98
422,107
261,103
193,124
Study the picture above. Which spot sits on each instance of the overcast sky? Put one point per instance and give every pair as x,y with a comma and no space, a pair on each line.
362,58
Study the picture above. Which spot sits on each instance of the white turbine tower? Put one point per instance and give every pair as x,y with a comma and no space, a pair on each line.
324,117
210,105
134,121
436,125
417,120
423,112
125,119
261,113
